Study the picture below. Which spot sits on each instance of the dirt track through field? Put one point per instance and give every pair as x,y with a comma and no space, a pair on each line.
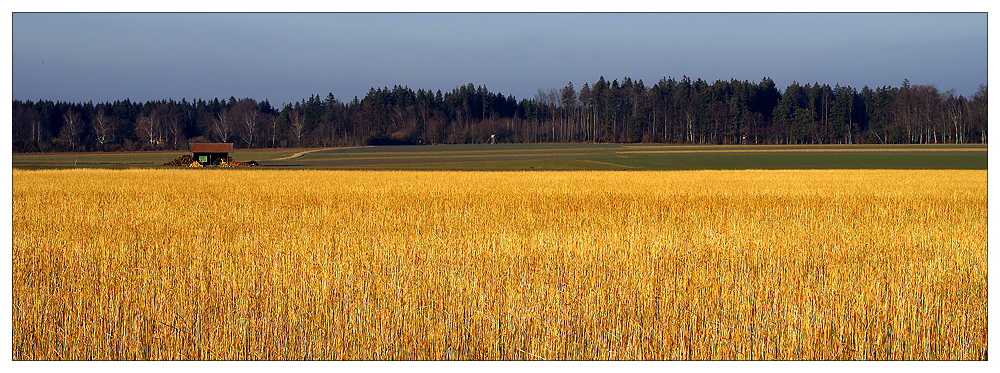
299,154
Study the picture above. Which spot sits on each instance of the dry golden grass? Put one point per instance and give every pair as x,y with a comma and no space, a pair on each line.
248,264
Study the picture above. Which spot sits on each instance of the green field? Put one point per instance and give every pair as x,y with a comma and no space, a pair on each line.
154,159
561,157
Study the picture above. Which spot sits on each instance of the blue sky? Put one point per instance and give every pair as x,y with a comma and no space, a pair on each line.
286,57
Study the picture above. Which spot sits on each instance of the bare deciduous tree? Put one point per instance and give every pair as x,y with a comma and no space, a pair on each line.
955,112
71,129
149,127
103,127
272,123
36,127
248,114
27,122
223,126
978,112
176,128
144,128
298,126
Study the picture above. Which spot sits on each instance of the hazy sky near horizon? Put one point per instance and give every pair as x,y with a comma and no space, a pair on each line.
286,57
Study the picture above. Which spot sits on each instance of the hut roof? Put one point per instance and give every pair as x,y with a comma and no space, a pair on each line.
212,147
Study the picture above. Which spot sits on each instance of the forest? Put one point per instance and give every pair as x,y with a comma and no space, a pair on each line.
627,111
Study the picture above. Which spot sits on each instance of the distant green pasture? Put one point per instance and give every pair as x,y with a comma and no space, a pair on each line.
561,157
643,157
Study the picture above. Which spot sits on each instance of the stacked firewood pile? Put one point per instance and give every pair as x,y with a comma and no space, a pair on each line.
183,160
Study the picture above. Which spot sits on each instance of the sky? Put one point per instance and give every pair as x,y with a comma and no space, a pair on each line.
286,57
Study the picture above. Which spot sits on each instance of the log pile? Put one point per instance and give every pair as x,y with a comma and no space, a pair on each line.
183,160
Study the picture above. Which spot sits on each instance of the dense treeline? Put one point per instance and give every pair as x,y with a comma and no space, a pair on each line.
670,111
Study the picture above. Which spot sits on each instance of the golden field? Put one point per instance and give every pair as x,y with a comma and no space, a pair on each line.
333,265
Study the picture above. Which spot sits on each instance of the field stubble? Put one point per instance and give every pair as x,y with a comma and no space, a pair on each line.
221,265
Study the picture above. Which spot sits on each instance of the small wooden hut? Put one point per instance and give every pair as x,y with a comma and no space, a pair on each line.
211,153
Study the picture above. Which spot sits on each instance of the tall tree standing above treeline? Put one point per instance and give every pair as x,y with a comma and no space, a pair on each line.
626,111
